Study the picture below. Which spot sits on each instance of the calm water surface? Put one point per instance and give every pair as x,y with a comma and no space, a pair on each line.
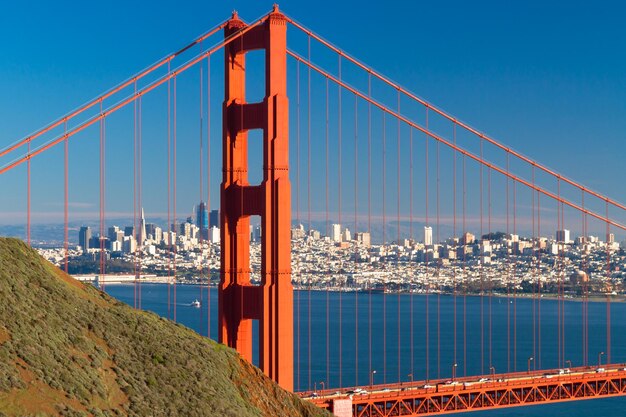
404,319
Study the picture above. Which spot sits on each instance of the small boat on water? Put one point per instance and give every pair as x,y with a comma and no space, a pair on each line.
195,303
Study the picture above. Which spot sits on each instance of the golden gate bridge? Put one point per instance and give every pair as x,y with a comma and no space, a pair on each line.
370,153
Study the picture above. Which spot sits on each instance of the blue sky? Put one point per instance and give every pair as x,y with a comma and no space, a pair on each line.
546,79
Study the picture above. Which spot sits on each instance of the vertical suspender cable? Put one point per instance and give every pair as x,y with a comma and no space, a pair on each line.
583,282
535,248
339,215
412,264
490,275
134,234
465,279
356,225
174,191
102,185
562,284
327,233
308,176
201,217
369,210
139,195
454,179
299,279
560,243
208,186
398,239
438,268
508,273
608,295
515,278
169,197
539,285
482,271
426,259
28,226
66,200
384,139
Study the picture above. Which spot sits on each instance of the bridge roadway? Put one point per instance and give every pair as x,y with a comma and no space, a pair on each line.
445,396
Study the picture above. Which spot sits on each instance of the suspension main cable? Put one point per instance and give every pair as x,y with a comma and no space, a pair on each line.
64,119
114,108
447,116
461,151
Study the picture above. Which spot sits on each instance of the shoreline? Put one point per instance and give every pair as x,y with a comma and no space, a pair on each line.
596,298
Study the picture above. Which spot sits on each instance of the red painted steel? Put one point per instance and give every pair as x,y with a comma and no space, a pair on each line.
105,113
473,394
449,117
108,94
240,302
462,151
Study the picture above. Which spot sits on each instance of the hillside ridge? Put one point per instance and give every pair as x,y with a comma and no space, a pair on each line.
67,349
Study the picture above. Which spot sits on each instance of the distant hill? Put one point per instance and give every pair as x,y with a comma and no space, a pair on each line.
67,349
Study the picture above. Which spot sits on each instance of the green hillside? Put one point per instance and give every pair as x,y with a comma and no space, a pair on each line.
67,349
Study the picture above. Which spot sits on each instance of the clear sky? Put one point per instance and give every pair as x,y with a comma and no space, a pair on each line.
546,78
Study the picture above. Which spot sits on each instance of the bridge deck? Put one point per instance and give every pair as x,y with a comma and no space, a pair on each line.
478,393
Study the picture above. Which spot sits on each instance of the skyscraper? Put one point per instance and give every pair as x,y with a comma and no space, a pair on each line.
84,236
214,219
202,218
428,235
562,236
142,229
336,233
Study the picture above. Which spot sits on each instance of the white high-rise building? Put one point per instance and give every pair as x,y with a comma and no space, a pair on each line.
428,235
116,246
158,234
214,234
364,238
336,233
142,229
346,236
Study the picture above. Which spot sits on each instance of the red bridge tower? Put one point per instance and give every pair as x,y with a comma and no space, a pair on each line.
271,302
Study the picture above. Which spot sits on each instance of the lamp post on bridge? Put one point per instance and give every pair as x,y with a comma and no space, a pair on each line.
411,376
454,371
600,358
372,379
529,361
323,385
493,372
569,364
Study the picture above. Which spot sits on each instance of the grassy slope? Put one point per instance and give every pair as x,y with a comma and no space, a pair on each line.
69,350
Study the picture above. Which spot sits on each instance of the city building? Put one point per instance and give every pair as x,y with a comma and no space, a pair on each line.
129,231
202,218
336,233
364,238
468,238
563,236
129,245
84,238
428,235
142,229
214,234
214,218
115,234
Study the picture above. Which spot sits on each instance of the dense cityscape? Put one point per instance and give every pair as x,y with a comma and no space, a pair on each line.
495,262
